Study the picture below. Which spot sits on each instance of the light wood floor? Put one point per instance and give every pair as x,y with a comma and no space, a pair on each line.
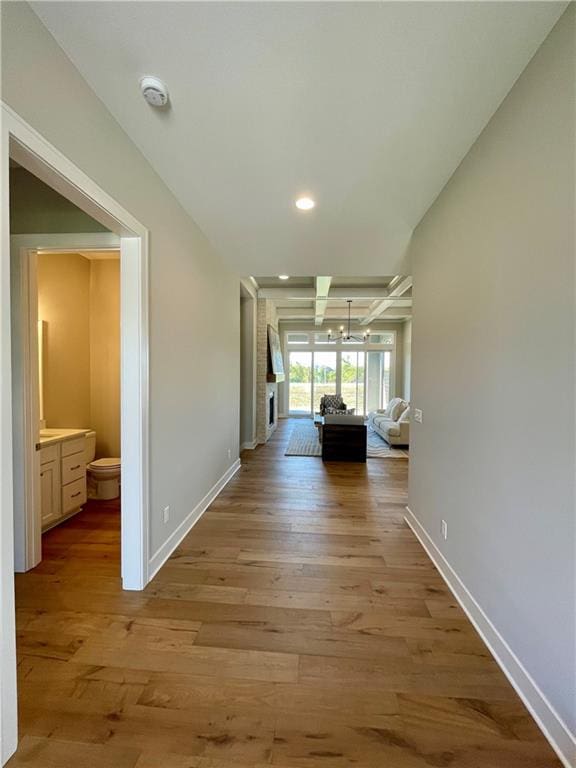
299,624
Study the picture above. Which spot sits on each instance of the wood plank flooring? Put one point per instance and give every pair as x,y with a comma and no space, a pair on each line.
300,624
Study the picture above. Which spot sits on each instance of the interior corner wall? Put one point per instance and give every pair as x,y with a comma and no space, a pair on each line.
105,355
194,364
79,301
493,371
64,305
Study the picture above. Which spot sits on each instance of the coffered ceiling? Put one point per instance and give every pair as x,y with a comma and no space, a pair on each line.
324,300
366,107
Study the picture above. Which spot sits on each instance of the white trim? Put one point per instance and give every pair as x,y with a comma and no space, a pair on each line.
25,407
31,150
8,701
67,242
248,284
549,721
163,553
249,446
134,398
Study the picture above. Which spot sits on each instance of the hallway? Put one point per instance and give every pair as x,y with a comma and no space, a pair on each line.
299,624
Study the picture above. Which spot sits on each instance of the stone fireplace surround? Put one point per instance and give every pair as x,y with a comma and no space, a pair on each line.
266,315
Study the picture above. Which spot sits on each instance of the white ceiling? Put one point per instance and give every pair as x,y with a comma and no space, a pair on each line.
368,107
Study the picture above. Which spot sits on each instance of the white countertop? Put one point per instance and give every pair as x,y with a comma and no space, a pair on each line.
51,436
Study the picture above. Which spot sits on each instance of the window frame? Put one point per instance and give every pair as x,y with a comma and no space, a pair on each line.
337,346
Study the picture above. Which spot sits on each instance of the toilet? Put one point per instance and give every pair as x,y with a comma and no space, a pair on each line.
103,475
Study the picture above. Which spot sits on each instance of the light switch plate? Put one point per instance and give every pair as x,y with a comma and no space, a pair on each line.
418,415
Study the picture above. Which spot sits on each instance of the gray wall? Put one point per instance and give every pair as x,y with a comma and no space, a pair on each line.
247,371
493,370
37,208
194,318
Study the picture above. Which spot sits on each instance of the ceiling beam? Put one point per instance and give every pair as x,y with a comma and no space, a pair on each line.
336,292
392,313
334,314
322,291
397,287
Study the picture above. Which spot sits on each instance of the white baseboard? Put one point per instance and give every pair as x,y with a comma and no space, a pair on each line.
552,726
249,446
163,553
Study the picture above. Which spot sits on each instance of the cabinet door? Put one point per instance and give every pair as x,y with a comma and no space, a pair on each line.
50,492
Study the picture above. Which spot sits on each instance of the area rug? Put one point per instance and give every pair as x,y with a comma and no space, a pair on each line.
304,442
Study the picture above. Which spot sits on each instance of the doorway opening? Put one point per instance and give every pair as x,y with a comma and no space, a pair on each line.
66,307
76,312
20,478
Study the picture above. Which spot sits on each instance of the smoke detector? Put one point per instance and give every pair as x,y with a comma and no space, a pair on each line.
154,91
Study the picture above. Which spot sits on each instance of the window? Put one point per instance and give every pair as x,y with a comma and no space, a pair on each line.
378,371
361,372
300,382
352,379
325,376
297,338
383,337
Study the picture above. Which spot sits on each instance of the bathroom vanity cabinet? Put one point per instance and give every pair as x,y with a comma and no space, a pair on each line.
62,475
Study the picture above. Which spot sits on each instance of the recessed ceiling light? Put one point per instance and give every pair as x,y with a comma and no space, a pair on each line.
305,203
284,277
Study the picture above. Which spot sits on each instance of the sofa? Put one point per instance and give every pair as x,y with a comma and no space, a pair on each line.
393,422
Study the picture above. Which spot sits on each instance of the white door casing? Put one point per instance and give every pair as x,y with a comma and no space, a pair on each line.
21,142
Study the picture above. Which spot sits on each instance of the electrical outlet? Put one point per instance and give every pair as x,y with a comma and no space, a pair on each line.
444,530
166,514
418,415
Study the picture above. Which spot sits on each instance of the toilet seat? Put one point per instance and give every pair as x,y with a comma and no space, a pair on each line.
104,464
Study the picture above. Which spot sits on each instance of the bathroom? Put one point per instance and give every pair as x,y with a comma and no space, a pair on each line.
78,314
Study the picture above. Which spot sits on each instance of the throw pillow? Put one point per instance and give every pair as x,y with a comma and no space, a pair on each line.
397,406
406,415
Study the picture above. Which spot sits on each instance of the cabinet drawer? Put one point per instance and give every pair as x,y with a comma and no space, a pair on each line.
49,453
77,445
73,468
73,495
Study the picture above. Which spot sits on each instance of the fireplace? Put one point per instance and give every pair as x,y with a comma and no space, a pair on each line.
271,408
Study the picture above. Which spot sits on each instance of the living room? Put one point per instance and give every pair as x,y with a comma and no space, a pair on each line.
342,347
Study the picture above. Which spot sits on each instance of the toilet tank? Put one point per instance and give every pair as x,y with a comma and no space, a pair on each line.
90,450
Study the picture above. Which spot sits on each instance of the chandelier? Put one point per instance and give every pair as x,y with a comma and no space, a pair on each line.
345,335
